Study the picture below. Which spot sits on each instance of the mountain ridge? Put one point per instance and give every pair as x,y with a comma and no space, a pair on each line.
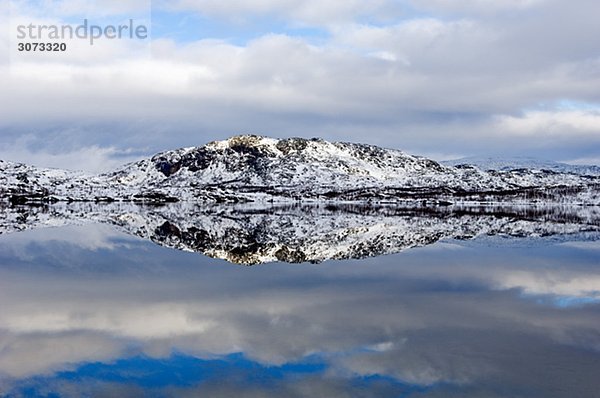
251,168
522,162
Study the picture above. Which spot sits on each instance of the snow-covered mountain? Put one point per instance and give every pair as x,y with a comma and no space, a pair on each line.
252,168
507,164
254,235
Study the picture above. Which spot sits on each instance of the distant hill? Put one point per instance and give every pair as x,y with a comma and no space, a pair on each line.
506,164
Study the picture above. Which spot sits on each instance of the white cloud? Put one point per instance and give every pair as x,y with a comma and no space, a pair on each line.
91,159
76,8
433,83
477,6
311,12
552,123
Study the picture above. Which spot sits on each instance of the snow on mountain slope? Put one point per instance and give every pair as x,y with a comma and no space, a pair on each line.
253,168
507,164
260,161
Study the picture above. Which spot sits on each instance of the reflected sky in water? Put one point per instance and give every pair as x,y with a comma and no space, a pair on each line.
88,310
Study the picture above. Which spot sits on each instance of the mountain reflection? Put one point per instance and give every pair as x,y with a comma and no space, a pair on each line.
255,235
88,311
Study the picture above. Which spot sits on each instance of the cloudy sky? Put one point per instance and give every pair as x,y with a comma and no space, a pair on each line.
436,78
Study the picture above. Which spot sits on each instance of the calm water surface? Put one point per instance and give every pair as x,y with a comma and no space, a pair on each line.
89,311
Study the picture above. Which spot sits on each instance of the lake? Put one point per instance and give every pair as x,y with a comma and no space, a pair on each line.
337,302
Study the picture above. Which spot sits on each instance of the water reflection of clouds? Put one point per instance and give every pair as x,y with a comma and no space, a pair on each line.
97,237
426,316
229,376
589,245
